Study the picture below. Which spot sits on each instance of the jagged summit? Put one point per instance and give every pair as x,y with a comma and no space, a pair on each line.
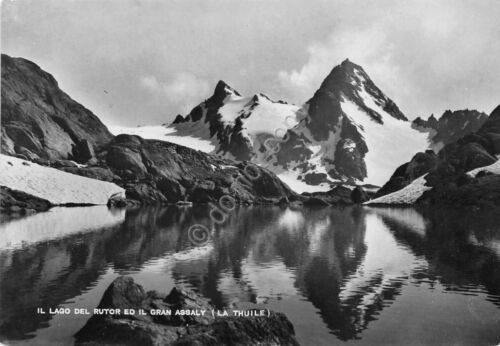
340,74
347,61
222,89
349,81
349,131
451,126
431,122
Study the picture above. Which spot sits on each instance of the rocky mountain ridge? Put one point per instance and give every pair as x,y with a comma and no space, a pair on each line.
39,120
41,123
346,133
448,176
349,132
451,126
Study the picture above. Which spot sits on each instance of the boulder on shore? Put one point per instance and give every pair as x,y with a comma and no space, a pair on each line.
161,329
359,195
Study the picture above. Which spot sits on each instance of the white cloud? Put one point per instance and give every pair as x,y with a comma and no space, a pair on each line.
181,94
427,56
369,48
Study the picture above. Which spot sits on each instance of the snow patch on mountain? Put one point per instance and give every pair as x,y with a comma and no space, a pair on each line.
292,179
270,117
259,115
196,137
234,106
56,186
348,132
389,144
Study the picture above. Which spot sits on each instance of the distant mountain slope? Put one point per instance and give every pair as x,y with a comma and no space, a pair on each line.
352,132
464,172
451,126
348,132
237,125
40,120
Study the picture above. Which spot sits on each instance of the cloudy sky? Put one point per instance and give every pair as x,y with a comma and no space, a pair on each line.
144,61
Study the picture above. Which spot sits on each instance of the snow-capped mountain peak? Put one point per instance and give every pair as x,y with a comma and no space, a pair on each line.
222,89
350,131
350,81
235,125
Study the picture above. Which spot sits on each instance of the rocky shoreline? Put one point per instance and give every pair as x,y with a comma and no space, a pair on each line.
42,125
112,326
157,172
21,203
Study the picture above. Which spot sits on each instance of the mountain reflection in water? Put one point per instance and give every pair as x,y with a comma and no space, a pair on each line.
353,274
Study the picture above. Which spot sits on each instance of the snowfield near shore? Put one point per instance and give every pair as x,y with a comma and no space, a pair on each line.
412,192
494,168
56,186
407,195
389,144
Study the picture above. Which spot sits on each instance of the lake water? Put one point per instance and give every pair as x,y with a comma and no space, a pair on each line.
352,275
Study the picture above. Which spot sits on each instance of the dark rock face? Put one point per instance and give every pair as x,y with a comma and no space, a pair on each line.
153,171
40,120
350,163
447,170
344,80
482,192
420,164
229,136
151,329
475,150
82,151
359,195
431,122
12,201
178,119
326,115
451,126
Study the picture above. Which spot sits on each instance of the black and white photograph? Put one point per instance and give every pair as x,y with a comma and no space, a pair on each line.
250,172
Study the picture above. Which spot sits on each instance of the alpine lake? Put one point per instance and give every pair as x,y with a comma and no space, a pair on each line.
342,275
